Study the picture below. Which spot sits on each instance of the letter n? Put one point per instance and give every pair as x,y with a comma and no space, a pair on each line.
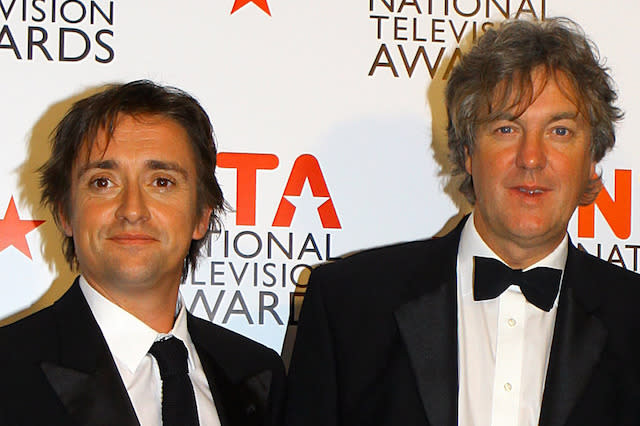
305,168
616,212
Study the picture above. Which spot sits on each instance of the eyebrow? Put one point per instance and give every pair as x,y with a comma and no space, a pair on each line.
559,116
167,165
151,164
565,115
104,164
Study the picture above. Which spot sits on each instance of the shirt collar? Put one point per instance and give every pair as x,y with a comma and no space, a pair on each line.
128,338
472,244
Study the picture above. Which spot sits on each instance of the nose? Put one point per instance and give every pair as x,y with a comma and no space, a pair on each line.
531,152
132,207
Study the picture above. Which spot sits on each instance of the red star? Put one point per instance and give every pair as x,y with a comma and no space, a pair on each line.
262,4
13,230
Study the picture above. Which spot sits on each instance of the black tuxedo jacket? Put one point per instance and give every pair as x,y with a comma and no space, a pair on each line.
56,369
377,342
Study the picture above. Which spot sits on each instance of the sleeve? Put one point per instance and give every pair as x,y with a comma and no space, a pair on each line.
312,381
277,392
4,419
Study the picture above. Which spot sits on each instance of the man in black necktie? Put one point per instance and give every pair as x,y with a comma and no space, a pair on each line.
503,321
131,183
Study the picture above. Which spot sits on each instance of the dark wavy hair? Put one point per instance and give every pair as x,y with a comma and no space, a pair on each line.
100,111
496,76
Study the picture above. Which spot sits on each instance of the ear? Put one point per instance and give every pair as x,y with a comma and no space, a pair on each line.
64,223
202,224
593,185
593,172
467,160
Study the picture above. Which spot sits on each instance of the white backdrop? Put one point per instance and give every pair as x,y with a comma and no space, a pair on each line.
329,119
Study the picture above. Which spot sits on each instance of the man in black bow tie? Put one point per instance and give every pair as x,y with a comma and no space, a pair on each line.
131,183
503,321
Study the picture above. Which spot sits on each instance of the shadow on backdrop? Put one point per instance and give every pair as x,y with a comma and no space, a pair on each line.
37,153
435,99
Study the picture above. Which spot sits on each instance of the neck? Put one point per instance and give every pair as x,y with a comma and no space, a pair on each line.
518,253
155,306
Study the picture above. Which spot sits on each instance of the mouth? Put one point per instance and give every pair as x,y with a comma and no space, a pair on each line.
530,192
132,238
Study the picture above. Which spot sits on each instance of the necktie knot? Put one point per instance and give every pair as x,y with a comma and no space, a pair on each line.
171,355
538,285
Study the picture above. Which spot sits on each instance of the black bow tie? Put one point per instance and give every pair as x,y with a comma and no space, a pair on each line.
539,285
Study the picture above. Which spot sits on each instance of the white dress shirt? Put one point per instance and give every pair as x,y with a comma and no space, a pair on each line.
503,343
129,341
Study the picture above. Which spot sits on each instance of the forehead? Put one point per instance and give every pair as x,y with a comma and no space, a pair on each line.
516,94
138,135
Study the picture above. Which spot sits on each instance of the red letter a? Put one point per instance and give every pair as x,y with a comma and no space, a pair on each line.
306,167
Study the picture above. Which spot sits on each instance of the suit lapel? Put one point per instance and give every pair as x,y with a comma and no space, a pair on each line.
85,377
578,340
91,399
428,326
239,400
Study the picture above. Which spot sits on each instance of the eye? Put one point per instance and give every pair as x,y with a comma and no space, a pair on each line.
100,183
162,182
504,130
561,131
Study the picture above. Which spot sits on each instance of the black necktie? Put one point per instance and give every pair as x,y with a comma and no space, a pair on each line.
178,400
491,277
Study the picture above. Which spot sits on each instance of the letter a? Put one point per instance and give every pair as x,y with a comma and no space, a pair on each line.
305,168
